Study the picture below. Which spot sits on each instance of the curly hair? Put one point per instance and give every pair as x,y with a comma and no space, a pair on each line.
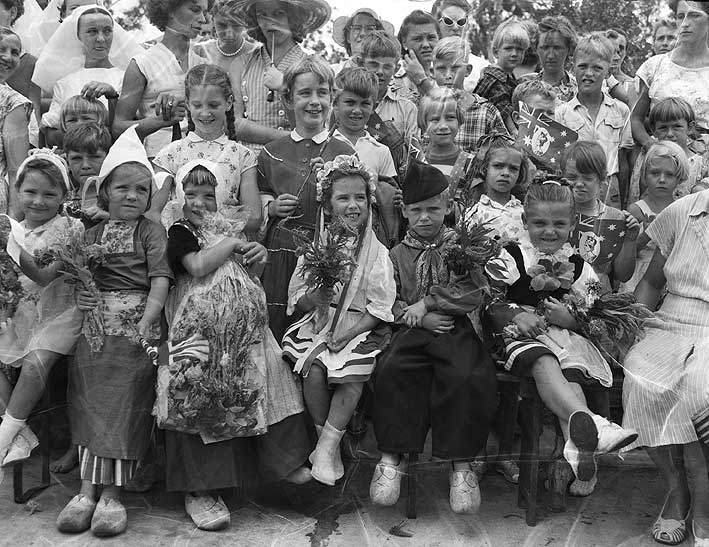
295,23
206,74
560,24
342,166
158,11
19,6
481,167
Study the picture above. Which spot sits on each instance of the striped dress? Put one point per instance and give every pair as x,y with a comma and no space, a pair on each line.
254,93
666,373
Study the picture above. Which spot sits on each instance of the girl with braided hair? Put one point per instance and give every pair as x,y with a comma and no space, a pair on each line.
210,102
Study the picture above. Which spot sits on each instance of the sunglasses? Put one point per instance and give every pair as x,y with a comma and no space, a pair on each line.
447,21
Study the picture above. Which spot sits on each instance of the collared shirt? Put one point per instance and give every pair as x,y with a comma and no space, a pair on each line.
505,220
497,86
372,153
481,117
317,139
610,129
402,112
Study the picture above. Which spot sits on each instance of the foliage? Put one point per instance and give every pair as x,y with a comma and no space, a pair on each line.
77,263
473,251
612,321
634,18
326,260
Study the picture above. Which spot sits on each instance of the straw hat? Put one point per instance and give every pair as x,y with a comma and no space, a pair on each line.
315,13
338,26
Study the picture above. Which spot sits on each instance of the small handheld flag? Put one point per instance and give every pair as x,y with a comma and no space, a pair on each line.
543,138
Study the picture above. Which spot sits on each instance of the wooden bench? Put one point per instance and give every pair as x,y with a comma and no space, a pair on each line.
530,415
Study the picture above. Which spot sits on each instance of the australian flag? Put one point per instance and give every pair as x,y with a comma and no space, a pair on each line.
544,139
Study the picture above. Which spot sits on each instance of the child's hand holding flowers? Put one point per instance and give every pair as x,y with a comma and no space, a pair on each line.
337,343
321,296
414,314
557,313
85,301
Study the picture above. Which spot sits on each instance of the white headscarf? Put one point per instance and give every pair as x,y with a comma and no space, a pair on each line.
46,154
126,149
25,26
64,53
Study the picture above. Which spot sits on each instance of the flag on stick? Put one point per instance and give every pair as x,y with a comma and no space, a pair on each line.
544,139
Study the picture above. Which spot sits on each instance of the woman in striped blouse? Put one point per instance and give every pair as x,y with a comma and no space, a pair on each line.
279,27
666,385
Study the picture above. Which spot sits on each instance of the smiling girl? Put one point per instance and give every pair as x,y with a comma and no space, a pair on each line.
337,358
539,331
210,102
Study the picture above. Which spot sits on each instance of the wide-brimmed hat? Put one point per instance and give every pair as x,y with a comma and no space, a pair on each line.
338,26
315,13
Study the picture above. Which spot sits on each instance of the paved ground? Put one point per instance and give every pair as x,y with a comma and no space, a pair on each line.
620,513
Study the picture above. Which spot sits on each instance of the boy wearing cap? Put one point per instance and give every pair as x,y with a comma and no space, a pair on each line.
435,372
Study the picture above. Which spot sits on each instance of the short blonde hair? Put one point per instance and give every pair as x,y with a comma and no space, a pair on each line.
512,31
671,150
435,101
596,44
449,47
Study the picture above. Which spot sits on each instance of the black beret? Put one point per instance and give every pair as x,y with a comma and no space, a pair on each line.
422,182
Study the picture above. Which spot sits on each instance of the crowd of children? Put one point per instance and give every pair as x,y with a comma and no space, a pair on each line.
194,304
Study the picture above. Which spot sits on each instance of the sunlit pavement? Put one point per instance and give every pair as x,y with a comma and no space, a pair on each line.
620,512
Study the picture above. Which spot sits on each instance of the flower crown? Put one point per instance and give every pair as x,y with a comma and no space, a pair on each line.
347,165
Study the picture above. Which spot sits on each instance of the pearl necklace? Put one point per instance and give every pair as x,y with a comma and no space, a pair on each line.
243,43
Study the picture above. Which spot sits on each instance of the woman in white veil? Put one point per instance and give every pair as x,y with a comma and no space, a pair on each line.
87,55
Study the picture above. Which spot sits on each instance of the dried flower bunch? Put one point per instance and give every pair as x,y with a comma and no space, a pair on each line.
10,287
473,251
612,321
77,263
327,260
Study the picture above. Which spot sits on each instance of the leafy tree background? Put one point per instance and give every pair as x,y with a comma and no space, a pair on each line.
634,18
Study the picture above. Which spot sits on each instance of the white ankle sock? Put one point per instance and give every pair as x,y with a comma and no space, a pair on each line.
9,428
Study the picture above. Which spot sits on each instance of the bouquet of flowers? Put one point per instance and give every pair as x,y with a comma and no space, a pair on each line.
77,262
11,290
612,321
552,272
473,251
326,261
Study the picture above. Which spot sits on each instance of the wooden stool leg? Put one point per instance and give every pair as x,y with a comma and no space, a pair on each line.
530,418
411,485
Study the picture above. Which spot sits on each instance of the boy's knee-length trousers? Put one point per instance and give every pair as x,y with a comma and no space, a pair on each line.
446,382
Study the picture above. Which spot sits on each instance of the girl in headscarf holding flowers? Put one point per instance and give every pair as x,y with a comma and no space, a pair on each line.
539,331
335,344
39,320
87,55
111,383
225,393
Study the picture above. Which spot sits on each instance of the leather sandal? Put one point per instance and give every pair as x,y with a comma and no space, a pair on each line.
670,531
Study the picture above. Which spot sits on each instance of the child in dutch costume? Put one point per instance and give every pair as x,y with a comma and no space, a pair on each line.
335,344
538,329
111,388
225,395
436,372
